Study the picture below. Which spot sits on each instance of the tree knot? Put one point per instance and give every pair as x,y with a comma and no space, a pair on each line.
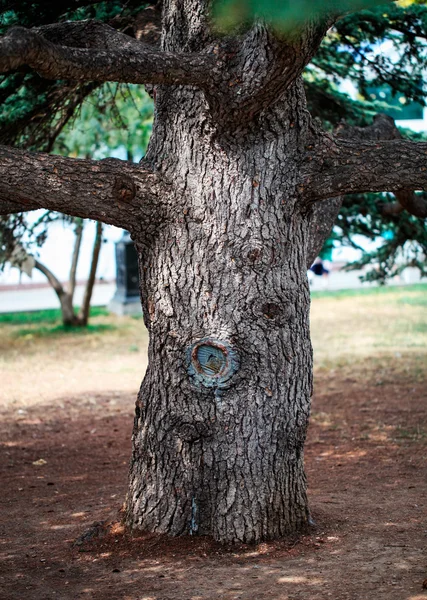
124,189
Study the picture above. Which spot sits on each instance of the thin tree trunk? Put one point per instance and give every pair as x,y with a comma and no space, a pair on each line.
75,258
85,307
65,300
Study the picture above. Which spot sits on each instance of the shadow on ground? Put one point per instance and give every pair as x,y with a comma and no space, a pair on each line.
64,466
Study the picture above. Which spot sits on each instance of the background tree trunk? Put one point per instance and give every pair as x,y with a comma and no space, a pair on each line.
79,226
65,299
85,307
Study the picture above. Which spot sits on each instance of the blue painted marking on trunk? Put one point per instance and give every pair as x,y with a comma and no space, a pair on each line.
211,359
194,510
212,363
218,396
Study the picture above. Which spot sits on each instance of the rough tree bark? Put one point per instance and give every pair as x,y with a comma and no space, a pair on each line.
221,211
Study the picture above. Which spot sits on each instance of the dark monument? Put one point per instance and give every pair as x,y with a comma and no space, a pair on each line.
126,300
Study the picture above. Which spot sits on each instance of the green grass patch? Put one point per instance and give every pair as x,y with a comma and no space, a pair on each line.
379,291
412,433
54,330
44,316
415,300
419,327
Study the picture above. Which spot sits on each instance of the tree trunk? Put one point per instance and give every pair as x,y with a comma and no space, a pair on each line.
69,317
65,299
220,211
222,413
85,307
78,232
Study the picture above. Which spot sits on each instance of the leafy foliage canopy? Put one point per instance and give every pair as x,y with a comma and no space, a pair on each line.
380,53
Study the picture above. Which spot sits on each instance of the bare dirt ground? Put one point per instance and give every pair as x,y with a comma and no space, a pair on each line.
66,409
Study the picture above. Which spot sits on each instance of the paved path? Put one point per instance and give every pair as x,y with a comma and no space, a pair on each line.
24,299
342,280
41,298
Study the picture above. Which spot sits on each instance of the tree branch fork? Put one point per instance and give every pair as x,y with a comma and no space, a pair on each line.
353,160
227,70
248,72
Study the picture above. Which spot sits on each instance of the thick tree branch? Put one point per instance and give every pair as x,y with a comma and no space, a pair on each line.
372,159
112,191
264,65
96,34
8,207
134,62
257,78
325,213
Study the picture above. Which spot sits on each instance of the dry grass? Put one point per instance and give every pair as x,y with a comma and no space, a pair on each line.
377,334
374,334
38,366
